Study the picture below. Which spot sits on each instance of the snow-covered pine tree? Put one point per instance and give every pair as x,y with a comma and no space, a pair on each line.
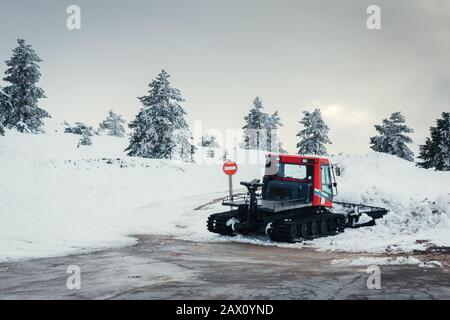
209,142
211,153
113,124
85,139
261,129
273,123
225,155
23,113
4,104
160,130
193,151
182,149
392,138
78,128
314,135
254,126
427,153
435,153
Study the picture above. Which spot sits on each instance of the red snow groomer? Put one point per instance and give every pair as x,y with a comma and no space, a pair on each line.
294,202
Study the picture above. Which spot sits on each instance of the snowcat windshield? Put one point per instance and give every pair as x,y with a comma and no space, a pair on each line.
291,182
295,171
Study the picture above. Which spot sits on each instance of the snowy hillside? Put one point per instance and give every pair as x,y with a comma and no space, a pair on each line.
56,198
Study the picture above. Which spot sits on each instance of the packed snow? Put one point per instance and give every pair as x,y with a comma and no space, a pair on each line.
430,264
368,261
57,198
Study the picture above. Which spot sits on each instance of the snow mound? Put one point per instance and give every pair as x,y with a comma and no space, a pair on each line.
418,201
430,264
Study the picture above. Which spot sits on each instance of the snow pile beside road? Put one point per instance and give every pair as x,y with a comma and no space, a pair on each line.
418,200
368,261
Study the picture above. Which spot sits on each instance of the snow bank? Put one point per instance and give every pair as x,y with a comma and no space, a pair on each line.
57,199
418,200
368,261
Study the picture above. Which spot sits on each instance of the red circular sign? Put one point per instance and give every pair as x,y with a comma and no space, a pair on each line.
230,167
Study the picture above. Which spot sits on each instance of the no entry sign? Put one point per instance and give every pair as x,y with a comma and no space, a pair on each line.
230,168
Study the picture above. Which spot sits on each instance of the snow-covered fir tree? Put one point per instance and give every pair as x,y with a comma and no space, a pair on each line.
435,153
113,125
160,130
209,142
225,155
193,150
211,152
4,104
254,126
392,137
272,125
23,112
182,146
85,139
78,128
261,129
314,135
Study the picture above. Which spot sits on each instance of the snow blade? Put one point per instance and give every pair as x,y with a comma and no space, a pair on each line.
355,208
366,224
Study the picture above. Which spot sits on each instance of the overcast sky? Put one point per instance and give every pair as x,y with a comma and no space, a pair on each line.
295,55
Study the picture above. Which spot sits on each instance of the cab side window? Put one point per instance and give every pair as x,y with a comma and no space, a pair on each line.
327,184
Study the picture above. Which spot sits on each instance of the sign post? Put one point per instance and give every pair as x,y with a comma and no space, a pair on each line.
230,168
230,187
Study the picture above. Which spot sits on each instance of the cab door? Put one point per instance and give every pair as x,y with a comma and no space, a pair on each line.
326,184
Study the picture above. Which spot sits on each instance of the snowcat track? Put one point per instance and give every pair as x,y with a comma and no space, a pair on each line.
301,228
217,223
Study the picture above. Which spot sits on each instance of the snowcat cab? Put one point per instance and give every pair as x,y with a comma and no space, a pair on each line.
295,203
298,178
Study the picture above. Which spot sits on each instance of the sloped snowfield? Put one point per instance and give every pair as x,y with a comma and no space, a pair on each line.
57,199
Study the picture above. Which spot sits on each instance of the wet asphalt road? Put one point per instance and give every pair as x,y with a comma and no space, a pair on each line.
164,268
